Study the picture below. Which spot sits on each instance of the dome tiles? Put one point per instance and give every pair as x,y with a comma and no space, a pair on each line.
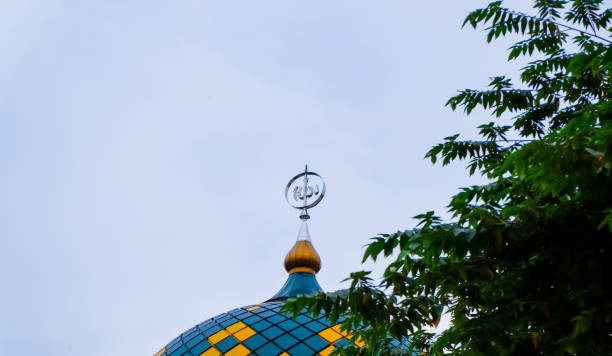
258,330
261,329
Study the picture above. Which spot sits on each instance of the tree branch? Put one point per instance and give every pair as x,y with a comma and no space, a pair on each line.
581,31
560,25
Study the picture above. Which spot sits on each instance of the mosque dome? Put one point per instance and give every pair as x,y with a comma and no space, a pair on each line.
261,329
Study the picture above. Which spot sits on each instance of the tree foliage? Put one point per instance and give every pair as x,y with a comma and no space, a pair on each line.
525,265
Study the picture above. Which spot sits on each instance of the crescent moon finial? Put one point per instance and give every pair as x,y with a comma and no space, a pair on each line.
304,191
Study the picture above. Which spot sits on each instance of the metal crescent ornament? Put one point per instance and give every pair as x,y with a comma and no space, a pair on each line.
305,190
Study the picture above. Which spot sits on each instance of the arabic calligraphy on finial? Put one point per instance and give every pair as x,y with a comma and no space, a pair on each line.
304,191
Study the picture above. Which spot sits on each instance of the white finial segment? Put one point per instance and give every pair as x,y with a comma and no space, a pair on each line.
304,214
305,189
304,233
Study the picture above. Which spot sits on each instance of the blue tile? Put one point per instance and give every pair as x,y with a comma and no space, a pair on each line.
323,320
301,333
342,342
301,349
275,319
226,344
315,326
175,344
195,328
194,341
254,341
260,326
190,335
276,308
272,332
316,343
228,322
212,330
222,317
268,350
288,325
267,314
406,344
252,320
244,316
199,348
206,325
286,341
178,352
272,305
303,319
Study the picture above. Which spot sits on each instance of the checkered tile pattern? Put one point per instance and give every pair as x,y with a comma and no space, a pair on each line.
259,330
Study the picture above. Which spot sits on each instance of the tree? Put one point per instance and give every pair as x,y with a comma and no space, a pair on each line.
525,265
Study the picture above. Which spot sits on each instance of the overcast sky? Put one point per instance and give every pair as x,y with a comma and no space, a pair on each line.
145,147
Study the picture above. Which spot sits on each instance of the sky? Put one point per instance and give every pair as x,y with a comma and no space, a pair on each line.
145,147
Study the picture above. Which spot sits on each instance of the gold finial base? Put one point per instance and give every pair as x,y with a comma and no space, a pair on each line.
302,258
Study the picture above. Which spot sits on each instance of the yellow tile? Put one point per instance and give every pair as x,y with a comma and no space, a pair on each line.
238,350
285,354
253,308
359,342
218,336
244,334
160,351
210,352
235,327
337,328
330,335
327,351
